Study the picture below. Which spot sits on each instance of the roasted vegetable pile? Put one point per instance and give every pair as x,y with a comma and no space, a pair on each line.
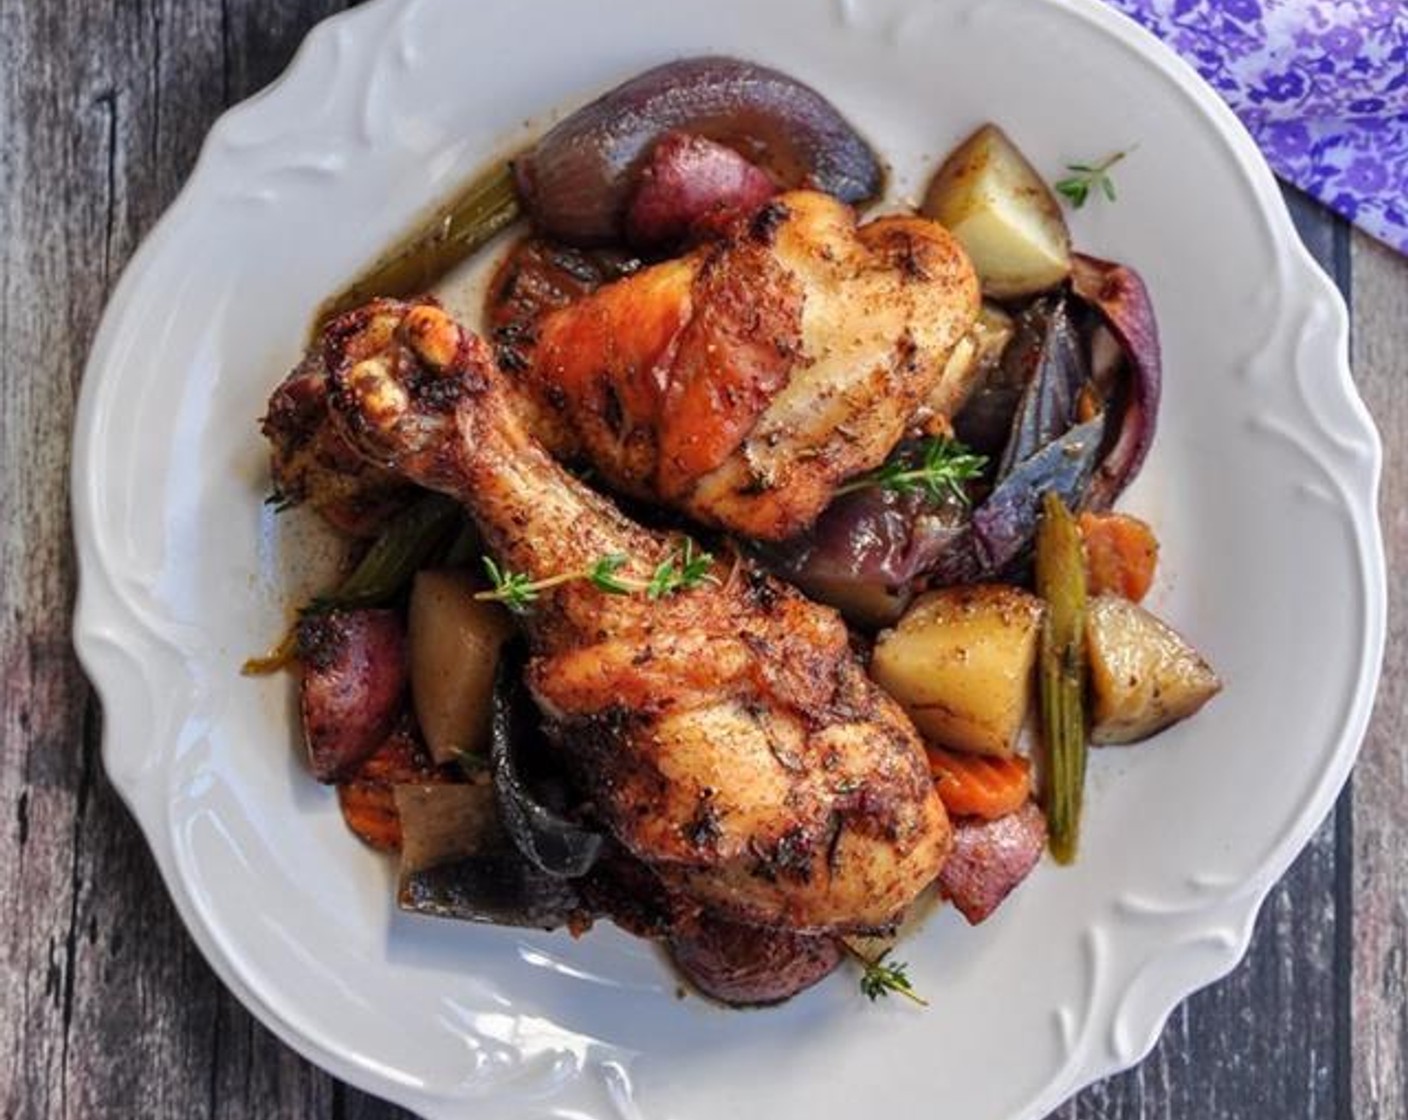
556,708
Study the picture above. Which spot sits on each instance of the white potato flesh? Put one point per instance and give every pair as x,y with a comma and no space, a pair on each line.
1004,215
454,652
960,663
1143,675
444,822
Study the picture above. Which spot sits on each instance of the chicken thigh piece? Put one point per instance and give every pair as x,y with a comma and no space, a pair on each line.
743,382
724,733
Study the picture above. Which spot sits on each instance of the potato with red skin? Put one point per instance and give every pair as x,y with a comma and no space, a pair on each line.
353,687
750,965
692,184
990,858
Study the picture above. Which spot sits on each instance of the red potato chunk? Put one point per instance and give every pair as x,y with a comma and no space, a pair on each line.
990,858
749,965
354,685
690,185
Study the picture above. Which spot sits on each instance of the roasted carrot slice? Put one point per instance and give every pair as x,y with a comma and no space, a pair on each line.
369,808
980,785
367,795
1120,554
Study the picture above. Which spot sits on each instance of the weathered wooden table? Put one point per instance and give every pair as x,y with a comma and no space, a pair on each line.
106,1009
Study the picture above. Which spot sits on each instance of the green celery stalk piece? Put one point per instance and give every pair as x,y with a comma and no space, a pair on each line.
488,204
405,546
1060,580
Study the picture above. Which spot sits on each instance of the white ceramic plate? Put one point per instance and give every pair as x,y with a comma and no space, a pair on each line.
1262,485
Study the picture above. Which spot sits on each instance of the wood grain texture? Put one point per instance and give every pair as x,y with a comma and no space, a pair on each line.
106,1008
1380,822
56,274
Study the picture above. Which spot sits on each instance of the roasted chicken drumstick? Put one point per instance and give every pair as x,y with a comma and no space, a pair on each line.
744,381
725,733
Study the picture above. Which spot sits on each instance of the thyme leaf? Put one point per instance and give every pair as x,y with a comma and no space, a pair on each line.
513,589
685,568
680,571
603,574
1088,178
940,470
879,979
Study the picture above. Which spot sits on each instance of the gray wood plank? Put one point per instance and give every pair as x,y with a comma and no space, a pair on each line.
261,38
1285,1007
356,1105
108,1009
144,1003
58,225
1380,807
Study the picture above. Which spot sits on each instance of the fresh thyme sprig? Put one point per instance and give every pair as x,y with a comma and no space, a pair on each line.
1089,177
603,574
685,568
679,571
513,589
879,979
940,470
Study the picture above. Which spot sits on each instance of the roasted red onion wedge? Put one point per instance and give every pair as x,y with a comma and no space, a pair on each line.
1046,410
1004,525
544,835
578,179
865,550
1118,293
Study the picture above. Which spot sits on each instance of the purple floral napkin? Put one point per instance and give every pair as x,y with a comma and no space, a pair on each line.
1321,84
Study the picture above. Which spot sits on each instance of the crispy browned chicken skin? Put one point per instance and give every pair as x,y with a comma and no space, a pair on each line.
743,382
726,734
